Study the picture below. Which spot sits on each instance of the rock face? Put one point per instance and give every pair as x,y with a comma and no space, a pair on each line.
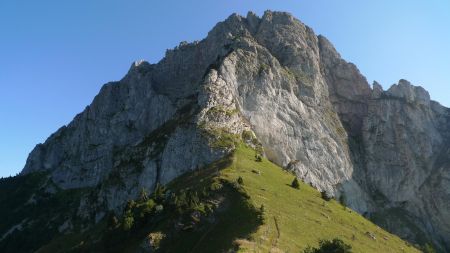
385,153
406,144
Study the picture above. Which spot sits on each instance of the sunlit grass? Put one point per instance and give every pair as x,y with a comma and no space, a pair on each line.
295,218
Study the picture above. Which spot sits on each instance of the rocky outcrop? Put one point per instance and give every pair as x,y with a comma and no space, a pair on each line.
405,139
384,153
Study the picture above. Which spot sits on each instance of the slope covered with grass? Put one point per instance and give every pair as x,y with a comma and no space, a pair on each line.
239,203
295,218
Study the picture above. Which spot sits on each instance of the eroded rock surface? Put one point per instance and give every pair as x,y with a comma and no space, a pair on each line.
385,153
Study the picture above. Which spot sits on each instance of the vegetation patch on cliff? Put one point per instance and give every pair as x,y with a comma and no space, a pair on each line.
34,211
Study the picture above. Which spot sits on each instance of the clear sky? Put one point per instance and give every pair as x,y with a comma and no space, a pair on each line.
55,55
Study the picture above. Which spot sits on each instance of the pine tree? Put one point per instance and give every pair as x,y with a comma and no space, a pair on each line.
159,193
295,184
326,246
427,248
113,222
128,221
143,195
325,196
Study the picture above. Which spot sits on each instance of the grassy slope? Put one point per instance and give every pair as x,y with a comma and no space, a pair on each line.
293,219
297,218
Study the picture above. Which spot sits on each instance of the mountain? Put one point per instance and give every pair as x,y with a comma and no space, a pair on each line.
269,84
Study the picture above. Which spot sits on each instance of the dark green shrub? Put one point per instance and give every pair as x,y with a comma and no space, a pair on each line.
181,202
147,208
204,193
160,193
113,222
187,201
427,248
325,196
262,209
295,184
334,246
261,213
342,199
143,196
128,221
130,205
247,135
215,186
193,200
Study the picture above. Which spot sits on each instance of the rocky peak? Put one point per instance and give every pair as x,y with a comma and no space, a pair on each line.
327,50
410,93
377,90
253,21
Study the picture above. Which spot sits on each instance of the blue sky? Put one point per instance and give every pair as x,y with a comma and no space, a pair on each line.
55,55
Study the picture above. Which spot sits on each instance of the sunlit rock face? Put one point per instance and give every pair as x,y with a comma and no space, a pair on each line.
384,153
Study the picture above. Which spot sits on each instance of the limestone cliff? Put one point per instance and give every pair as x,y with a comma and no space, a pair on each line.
385,153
